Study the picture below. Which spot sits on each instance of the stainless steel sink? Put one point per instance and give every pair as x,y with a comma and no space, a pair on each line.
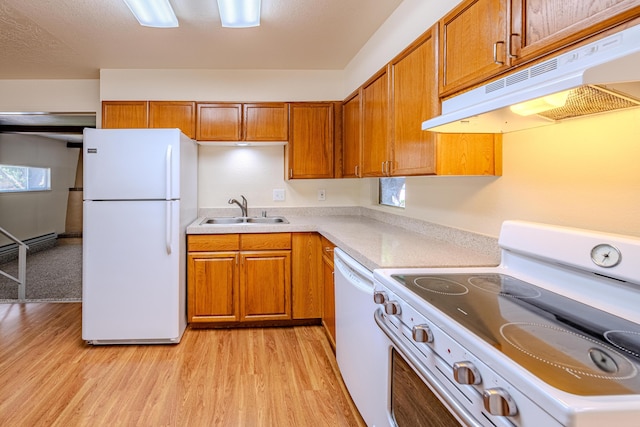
267,220
227,220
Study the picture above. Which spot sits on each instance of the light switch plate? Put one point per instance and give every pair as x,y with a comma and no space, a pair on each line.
278,194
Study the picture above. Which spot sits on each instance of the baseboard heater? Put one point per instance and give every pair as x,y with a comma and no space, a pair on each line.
39,243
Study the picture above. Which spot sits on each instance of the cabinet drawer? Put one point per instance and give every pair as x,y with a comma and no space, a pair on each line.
265,241
213,242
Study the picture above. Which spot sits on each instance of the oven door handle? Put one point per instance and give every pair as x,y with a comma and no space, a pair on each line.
432,382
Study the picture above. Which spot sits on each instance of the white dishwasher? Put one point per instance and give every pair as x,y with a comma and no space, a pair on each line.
362,349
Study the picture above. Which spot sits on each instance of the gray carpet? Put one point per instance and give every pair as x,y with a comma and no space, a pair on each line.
52,275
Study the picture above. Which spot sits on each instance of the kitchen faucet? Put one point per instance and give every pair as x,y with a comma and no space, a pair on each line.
242,205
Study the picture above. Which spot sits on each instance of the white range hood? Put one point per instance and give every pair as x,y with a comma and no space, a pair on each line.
609,67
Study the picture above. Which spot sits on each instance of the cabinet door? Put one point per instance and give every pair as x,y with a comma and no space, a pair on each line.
473,44
414,99
219,122
124,114
212,287
375,136
265,285
306,276
469,154
173,114
266,122
351,141
540,27
309,153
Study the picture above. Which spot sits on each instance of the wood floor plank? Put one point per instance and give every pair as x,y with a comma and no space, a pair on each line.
236,377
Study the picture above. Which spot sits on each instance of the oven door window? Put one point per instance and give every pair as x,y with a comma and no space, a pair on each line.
413,404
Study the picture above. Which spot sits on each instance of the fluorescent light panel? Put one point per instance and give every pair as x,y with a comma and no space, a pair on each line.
239,13
540,105
153,13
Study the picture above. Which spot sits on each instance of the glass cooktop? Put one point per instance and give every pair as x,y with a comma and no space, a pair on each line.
569,345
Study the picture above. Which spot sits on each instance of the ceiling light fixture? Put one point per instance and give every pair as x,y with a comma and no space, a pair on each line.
239,13
153,13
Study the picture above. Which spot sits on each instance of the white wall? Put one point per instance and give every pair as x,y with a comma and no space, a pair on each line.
50,95
228,172
32,214
582,173
221,85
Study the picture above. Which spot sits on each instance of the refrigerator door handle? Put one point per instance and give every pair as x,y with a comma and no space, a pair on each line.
168,219
168,173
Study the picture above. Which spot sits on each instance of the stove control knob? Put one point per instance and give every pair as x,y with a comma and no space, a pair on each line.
466,373
421,333
498,402
392,307
380,297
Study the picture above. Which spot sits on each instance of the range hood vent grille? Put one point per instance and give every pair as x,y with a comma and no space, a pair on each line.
587,100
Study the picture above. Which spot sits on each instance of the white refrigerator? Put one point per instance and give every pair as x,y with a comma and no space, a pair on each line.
140,193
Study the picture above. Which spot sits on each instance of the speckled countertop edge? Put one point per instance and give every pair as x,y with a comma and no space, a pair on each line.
375,239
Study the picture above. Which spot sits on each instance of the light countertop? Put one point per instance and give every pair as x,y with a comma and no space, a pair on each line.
373,238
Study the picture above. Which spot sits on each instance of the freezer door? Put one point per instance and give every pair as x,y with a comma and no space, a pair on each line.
131,282
131,164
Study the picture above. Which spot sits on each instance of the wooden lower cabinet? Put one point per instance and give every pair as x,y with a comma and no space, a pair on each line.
306,276
213,287
329,305
265,285
238,277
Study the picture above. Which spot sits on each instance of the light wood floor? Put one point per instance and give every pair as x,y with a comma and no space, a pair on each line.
239,377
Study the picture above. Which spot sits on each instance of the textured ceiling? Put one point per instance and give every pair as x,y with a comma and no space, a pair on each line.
74,39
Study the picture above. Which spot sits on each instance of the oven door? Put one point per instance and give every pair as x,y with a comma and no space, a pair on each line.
420,395
413,403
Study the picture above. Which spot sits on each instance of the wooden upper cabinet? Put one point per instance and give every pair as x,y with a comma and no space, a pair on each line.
351,132
414,98
266,122
480,39
219,122
375,129
541,27
469,154
310,151
242,122
173,114
473,44
124,114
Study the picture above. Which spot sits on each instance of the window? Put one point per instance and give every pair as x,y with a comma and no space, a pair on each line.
391,192
15,179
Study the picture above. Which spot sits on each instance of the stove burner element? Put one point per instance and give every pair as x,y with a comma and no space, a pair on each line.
504,285
439,285
573,353
627,341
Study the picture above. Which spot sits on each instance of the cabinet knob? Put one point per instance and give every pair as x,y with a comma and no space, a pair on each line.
466,373
421,333
498,402
380,297
392,308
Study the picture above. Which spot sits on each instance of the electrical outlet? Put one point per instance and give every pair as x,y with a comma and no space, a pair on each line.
322,195
278,194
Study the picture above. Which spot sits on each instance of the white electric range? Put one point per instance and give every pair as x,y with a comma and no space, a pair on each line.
550,337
